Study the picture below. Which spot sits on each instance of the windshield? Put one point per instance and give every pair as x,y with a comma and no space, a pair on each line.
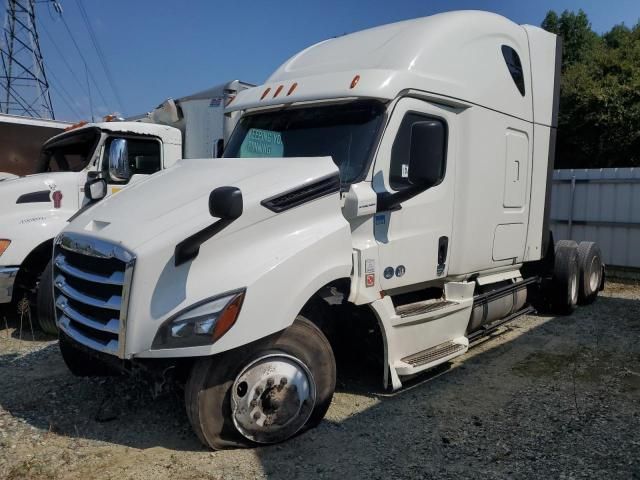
71,152
344,132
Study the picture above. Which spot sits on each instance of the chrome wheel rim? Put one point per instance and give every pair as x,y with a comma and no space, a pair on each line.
574,288
594,277
272,398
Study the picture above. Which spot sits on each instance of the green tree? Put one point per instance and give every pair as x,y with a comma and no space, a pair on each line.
599,119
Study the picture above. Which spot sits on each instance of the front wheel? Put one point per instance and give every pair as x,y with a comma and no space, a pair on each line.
265,394
45,306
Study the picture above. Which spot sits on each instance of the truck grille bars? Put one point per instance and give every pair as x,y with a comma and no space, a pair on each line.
91,284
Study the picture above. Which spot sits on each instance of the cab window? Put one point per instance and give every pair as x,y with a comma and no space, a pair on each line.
143,153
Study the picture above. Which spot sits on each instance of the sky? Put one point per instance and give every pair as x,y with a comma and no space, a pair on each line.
156,49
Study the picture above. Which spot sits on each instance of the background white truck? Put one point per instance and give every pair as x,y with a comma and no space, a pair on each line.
34,208
397,176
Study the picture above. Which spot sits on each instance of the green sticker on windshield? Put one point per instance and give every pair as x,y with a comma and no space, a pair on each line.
261,143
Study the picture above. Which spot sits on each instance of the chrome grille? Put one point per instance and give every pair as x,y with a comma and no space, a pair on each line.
91,282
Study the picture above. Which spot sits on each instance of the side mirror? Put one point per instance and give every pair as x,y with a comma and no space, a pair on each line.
427,153
226,203
95,189
218,148
119,160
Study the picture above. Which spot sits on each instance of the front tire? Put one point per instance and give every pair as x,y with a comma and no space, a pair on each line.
565,277
44,301
264,393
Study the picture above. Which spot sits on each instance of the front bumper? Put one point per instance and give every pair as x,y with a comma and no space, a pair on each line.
7,279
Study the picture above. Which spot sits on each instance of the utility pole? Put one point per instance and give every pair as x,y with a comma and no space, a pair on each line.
24,89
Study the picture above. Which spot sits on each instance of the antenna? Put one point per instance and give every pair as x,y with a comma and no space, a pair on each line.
24,89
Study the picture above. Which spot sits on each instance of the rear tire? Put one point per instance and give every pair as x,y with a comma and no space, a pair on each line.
219,389
80,363
590,268
565,277
44,302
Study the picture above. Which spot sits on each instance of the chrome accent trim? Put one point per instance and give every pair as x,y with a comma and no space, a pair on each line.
124,309
110,327
116,278
114,303
87,245
64,324
7,279
93,247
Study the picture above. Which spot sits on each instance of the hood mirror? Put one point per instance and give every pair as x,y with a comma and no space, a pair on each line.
226,203
119,160
95,189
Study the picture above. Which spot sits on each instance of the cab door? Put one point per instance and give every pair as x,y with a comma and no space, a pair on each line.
414,232
143,156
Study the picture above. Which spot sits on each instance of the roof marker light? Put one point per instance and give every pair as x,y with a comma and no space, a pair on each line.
231,99
278,90
82,123
291,89
265,93
355,81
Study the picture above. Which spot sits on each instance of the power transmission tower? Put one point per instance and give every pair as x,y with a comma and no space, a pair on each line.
24,89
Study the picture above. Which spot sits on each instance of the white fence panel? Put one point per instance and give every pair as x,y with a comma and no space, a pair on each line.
602,205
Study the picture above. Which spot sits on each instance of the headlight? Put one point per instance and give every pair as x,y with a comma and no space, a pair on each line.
200,324
4,244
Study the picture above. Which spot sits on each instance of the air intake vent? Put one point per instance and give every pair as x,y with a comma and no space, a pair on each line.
300,195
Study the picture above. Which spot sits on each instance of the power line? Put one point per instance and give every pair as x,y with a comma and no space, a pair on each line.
75,43
62,56
61,92
100,53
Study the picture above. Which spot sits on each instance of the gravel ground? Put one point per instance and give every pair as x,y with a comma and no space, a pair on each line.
549,397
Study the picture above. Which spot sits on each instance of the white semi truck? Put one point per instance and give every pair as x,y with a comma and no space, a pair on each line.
398,174
34,208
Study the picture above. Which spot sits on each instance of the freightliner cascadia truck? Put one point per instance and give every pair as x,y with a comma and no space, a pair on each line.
399,174
36,207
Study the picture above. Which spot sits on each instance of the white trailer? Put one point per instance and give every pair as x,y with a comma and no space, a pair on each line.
34,208
399,174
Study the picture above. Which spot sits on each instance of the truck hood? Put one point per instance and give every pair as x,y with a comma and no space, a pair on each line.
174,202
35,193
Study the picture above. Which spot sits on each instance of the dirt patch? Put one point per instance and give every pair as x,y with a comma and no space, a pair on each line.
547,397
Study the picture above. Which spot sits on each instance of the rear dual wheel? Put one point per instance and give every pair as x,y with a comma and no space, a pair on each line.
590,271
265,394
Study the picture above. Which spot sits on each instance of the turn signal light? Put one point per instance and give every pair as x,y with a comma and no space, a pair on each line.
228,317
4,244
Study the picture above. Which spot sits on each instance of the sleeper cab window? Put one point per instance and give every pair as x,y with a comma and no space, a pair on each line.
512,59
430,150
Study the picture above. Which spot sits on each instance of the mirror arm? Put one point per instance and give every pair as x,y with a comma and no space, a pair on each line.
388,201
189,248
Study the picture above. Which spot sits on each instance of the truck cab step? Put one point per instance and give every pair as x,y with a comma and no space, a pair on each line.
419,308
431,357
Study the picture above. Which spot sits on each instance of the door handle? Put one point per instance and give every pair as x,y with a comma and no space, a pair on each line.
443,247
